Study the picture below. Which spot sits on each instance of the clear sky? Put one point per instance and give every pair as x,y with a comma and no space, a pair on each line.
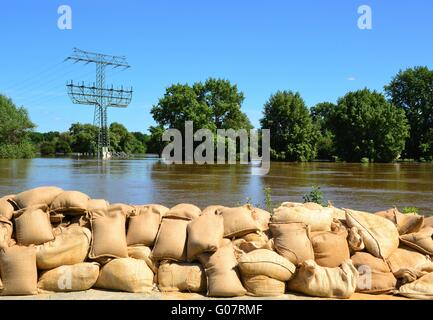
311,46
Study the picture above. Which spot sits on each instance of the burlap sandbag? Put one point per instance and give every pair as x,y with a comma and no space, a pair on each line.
70,203
189,277
70,246
428,222
33,226
421,241
263,286
142,253
375,277
221,273
6,207
330,248
253,241
108,234
268,263
262,218
308,205
18,271
212,209
171,242
419,289
405,258
405,223
95,205
143,226
204,235
292,241
318,220
184,211
36,196
77,277
379,235
337,213
314,280
238,221
126,274
6,230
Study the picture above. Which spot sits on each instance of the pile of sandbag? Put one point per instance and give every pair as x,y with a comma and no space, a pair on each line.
63,241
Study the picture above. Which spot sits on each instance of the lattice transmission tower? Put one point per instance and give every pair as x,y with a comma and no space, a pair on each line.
98,94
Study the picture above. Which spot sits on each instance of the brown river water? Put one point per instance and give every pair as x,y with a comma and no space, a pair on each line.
369,187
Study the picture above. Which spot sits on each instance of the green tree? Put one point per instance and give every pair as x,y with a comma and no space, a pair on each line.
155,143
322,115
412,90
293,135
48,148
123,141
365,125
84,137
15,129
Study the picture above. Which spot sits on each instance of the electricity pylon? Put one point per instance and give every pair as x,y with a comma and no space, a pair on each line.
98,94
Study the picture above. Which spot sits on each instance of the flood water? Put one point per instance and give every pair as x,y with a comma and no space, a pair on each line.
369,187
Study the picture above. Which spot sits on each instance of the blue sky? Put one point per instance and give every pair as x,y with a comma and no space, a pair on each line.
311,46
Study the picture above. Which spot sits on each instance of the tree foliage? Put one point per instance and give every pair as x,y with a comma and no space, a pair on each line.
321,115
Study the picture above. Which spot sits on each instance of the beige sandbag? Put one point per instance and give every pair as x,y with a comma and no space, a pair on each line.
221,273
262,218
129,210
406,258
143,226
330,248
355,241
36,196
212,209
428,222
204,235
292,241
142,253
77,277
33,226
405,223
18,271
317,281
238,221
308,205
375,277
421,241
95,205
268,263
184,211
318,220
419,289
70,203
408,275
380,235
263,286
108,234
126,274
253,241
70,246
6,207
189,277
337,213
6,230
171,242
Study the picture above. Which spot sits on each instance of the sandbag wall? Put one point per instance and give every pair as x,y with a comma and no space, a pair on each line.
62,241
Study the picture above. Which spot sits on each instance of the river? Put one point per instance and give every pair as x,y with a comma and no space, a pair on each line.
369,187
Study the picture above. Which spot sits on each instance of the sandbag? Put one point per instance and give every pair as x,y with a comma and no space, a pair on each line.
108,234
6,230
355,241
308,205
408,275
184,211
77,277
171,242
268,263
419,289
212,209
96,205
428,222
337,213
379,235
18,271
405,258
189,277
292,241
33,226
70,246
405,223
238,221
36,196
221,273
143,226
375,277
314,280
204,235
6,207
142,253
261,217
318,220
263,286
70,203
126,274
421,241
330,248
253,241
129,210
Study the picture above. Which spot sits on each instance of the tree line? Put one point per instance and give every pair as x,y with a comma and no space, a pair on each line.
363,125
